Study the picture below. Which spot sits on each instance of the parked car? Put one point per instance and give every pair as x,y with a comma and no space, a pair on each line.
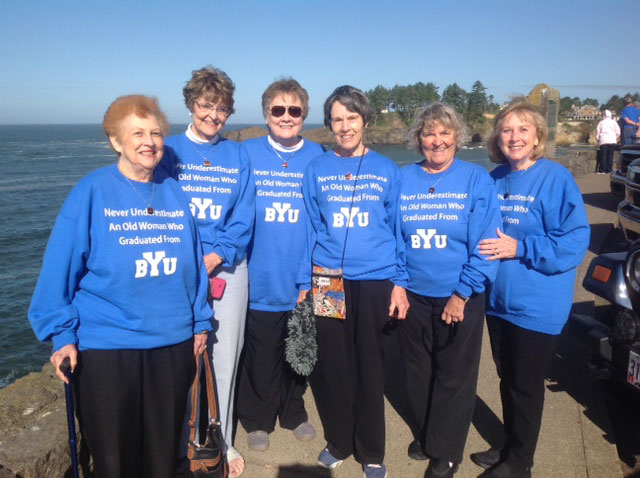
614,339
628,153
629,208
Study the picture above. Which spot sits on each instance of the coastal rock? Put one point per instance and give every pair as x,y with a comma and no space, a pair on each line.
33,427
580,161
575,132
246,133
319,135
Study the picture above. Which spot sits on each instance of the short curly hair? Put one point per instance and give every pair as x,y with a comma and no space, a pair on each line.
525,110
438,113
352,98
285,86
210,83
140,105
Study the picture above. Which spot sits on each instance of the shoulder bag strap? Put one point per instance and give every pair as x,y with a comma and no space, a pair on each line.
211,391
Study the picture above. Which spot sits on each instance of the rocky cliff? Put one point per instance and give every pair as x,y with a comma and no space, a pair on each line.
34,442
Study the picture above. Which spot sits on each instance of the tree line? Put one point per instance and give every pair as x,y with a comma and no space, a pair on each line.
407,100
615,103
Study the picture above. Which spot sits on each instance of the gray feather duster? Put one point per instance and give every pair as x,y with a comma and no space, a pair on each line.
301,348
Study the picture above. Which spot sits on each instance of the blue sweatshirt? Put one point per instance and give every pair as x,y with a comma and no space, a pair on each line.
441,230
544,211
115,277
279,237
373,243
216,179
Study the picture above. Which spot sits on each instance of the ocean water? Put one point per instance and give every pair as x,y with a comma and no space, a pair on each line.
40,165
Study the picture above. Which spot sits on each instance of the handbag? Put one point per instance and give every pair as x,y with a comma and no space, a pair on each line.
206,460
327,292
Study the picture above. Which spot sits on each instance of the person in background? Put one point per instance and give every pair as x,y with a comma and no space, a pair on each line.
544,237
449,206
607,135
215,175
629,118
268,389
125,305
351,196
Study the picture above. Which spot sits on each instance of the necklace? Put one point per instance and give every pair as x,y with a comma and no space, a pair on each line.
153,189
432,186
285,162
205,159
291,151
515,175
342,163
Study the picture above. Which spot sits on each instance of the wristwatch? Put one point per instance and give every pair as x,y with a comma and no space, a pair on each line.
464,298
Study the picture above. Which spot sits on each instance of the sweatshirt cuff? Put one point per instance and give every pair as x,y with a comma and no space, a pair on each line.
64,338
464,289
218,250
401,283
200,327
304,286
520,250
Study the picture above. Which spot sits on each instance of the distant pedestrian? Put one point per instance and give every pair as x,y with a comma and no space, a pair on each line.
607,134
629,118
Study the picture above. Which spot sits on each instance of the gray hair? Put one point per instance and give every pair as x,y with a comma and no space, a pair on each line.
282,86
351,98
438,113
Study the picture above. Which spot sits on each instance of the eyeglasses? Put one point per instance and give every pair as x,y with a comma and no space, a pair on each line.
211,109
294,111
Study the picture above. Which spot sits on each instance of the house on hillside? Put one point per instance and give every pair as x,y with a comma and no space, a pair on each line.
584,113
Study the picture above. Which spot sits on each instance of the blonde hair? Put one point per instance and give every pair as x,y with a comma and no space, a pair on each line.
526,111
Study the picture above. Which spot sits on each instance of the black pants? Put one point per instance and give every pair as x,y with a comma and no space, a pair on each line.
522,358
606,157
268,388
131,405
441,364
348,379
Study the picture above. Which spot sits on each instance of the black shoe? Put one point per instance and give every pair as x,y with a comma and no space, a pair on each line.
440,469
504,470
486,459
415,451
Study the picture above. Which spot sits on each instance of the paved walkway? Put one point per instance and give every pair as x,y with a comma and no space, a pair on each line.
575,441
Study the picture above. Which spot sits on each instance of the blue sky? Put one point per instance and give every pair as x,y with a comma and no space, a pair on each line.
65,61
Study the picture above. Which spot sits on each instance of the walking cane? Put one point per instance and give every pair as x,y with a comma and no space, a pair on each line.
71,420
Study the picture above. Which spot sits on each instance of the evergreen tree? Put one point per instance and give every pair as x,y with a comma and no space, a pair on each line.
454,95
477,102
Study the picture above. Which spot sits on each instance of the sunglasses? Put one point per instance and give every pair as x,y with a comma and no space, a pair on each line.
294,111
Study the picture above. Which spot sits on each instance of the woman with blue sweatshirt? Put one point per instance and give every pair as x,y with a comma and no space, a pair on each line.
543,239
122,295
215,175
268,388
351,196
446,207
